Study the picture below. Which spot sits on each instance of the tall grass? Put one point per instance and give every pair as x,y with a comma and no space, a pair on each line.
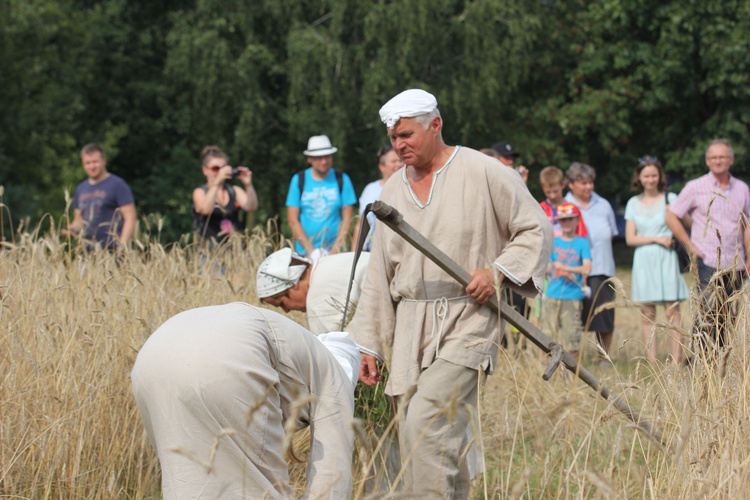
71,325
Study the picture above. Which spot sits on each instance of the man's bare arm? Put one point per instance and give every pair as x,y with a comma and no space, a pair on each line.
128,223
297,231
678,230
74,227
347,212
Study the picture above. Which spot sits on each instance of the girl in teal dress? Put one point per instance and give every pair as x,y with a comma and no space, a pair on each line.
656,277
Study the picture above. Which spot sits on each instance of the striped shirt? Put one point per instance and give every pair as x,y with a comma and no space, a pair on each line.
716,210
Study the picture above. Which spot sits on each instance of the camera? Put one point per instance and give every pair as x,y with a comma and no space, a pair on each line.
235,172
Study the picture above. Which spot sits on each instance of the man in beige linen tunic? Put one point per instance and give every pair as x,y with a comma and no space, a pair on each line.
433,334
238,376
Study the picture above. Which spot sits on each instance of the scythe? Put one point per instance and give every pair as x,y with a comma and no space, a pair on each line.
395,221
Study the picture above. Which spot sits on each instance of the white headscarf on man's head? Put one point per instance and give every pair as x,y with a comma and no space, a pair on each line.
276,274
407,104
346,352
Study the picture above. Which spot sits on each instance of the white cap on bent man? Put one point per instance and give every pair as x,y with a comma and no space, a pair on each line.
277,274
407,104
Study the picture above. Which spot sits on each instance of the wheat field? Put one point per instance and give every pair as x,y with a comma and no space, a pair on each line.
71,325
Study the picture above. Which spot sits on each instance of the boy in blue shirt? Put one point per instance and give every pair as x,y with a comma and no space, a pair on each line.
568,268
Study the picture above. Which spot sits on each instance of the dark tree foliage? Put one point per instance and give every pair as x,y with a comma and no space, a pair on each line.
601,82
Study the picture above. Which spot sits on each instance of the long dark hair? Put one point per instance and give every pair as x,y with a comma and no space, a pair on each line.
644,162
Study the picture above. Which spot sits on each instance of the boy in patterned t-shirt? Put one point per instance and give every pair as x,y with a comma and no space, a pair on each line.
569,266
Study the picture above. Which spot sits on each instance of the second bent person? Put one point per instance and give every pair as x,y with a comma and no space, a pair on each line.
292,282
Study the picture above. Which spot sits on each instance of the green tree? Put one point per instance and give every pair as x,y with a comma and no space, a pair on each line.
652,78
601,82
42,51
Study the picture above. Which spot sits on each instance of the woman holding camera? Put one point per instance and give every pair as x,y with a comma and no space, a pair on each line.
216,204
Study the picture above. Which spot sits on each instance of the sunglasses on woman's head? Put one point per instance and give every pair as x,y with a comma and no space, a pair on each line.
647,160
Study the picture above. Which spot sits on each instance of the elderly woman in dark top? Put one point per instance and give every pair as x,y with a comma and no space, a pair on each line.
217,204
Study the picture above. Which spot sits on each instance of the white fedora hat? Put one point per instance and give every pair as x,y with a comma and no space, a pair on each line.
319,145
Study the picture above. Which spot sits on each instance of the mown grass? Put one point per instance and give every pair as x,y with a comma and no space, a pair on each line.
71,324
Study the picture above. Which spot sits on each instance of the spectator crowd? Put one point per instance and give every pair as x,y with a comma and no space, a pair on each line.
707,218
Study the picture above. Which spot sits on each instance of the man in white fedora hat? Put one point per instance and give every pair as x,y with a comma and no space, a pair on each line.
320,202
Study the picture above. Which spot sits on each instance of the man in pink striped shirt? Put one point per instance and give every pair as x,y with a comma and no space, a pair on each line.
719,205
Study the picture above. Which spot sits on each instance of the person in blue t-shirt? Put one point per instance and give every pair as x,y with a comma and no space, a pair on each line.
569,266
104,210
320,202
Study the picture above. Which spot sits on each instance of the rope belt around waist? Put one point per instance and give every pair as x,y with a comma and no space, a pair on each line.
439,313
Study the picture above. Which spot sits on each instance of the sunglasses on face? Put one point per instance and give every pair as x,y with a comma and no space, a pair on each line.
215,168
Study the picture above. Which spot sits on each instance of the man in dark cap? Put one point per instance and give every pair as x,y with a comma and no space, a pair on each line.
507,156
